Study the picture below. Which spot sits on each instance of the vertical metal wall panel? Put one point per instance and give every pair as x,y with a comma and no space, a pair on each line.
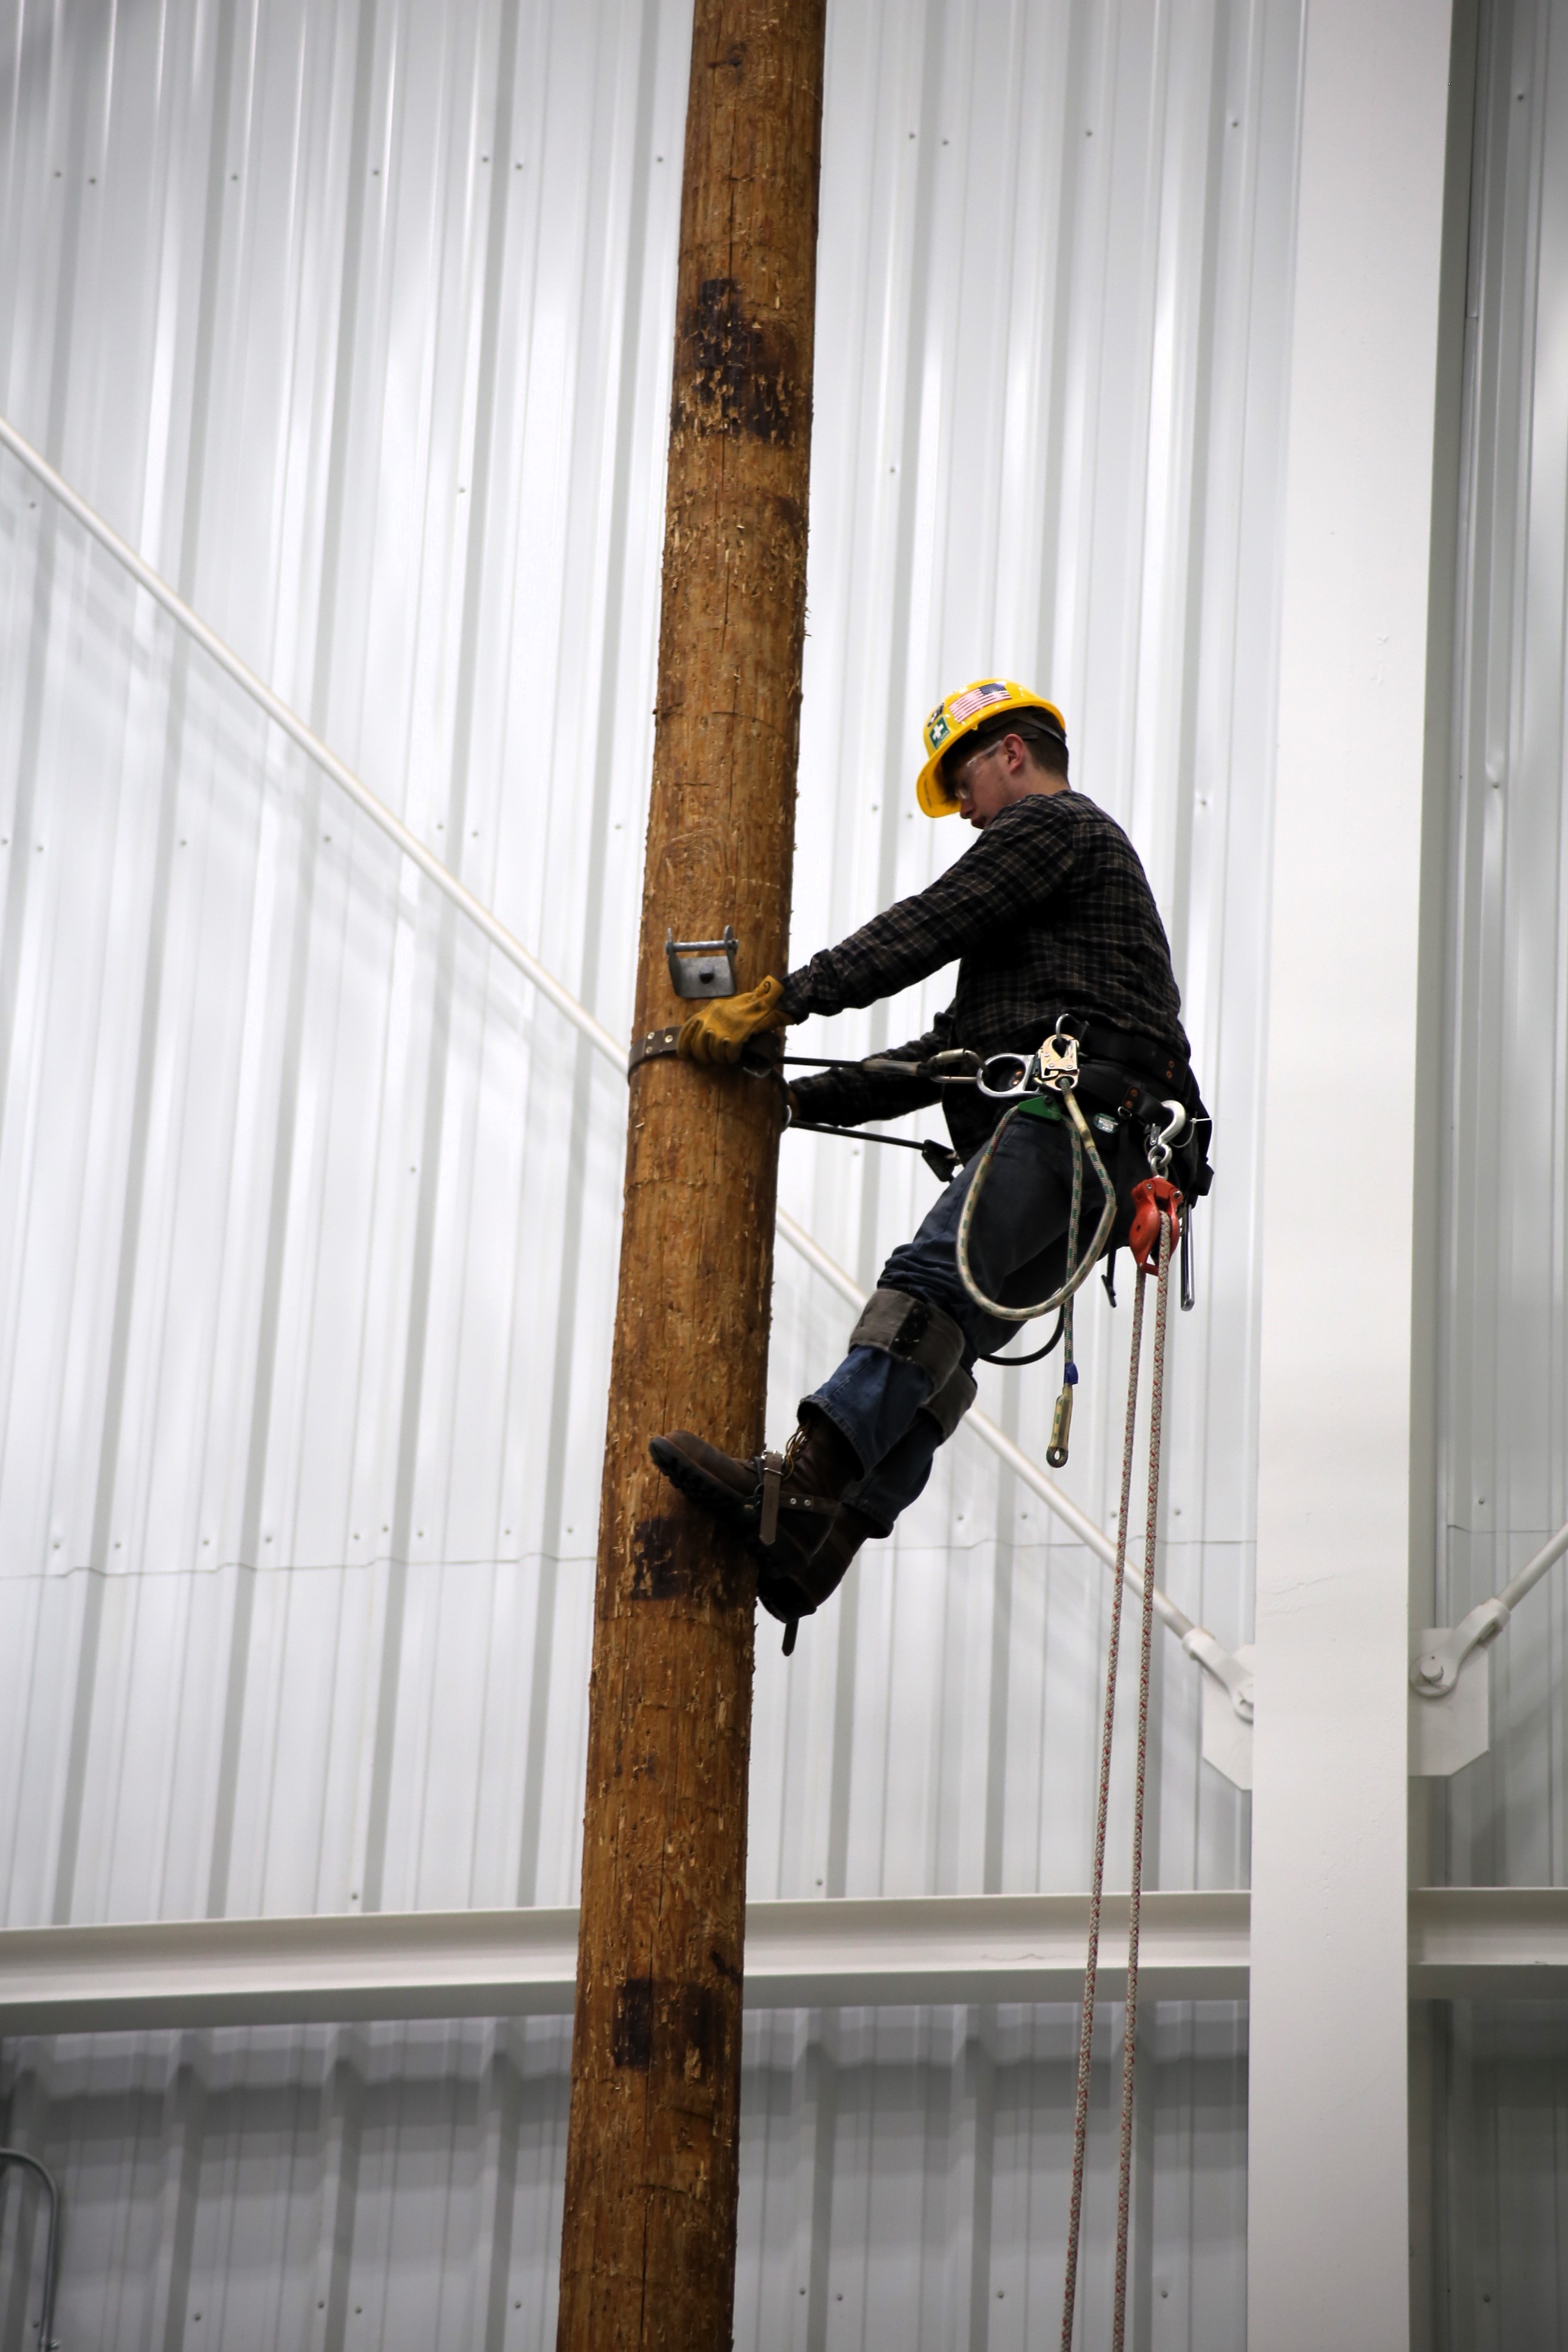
358,320
313,1216
1505,1346
904,2181
1497,2222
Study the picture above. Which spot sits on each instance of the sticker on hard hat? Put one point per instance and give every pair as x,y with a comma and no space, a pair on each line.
965,705
937,729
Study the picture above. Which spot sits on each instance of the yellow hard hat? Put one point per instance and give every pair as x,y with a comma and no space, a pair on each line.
958,715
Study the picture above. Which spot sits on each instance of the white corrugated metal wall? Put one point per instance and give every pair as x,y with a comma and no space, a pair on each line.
1499,2072
904,2176
1505,1358
357,320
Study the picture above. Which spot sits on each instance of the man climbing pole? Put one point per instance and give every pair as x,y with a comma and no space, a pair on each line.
1055,929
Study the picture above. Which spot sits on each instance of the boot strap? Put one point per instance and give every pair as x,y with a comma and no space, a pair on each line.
771,1468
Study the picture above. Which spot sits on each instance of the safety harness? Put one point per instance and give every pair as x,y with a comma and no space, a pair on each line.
1084,1059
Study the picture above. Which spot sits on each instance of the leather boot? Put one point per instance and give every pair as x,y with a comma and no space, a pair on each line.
786,1527
790,1594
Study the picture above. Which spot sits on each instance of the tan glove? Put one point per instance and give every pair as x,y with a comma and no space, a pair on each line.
720,1032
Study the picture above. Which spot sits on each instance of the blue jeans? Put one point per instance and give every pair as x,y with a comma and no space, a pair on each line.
1017,1252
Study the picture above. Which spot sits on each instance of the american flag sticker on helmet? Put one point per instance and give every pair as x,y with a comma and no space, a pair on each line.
965,705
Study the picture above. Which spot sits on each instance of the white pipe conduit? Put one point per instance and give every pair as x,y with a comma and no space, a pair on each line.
1199,1644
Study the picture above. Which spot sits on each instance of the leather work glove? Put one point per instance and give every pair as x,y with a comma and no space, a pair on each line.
720,1032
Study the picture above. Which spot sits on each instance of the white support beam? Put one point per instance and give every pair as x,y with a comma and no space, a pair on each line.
1328,2201
1507,1943
860,1952
1488,1943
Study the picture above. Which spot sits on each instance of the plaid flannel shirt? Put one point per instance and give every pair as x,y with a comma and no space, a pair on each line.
1050,911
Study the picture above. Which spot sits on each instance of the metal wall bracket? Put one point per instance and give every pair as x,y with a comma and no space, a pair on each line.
702,967
1440,1651
1226,1727
1445,1738
1450,1684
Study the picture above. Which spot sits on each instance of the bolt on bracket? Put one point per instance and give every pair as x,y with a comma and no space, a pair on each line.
702,967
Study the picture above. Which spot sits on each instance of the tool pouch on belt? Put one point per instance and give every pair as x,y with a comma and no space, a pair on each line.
1104,1087
914,1331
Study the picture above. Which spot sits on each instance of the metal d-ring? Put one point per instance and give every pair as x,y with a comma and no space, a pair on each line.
1014,1093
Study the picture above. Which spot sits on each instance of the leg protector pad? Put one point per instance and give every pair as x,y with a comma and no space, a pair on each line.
913,1330
948,1404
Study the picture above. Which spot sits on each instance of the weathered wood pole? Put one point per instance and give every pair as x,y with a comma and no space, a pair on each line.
648,2253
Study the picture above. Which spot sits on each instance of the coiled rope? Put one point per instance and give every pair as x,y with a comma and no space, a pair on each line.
1091,1968
1079,1269
1077,1274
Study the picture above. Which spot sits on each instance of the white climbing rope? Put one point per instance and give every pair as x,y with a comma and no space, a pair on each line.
1102,1804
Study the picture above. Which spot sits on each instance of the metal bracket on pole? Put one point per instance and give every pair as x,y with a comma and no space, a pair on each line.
702,967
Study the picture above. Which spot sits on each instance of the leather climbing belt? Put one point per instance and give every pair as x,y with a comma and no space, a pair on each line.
1156,1227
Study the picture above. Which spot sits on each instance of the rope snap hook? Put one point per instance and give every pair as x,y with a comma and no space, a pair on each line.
1159,1140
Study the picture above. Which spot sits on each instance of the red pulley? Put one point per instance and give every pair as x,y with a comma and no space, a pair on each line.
1155,1193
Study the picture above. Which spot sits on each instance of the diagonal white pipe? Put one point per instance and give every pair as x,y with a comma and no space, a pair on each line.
1199,1643
294,727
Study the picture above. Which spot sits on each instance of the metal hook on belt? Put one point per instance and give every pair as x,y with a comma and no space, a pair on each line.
1161,1139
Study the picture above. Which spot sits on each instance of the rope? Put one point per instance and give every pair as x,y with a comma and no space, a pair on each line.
1102,1805
1097,1877
1082,1141
1135,1899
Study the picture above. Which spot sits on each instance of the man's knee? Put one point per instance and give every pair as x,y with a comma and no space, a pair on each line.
915,1332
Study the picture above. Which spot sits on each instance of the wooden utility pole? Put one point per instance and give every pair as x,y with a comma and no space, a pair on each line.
647,2255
